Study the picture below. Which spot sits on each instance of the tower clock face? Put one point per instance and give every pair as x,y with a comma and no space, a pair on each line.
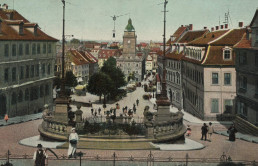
129,41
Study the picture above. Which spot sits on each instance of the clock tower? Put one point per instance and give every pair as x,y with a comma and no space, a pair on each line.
129,40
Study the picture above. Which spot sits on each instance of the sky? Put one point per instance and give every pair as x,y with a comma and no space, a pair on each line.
91,19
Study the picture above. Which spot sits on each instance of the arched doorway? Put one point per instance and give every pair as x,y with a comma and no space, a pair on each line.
3,109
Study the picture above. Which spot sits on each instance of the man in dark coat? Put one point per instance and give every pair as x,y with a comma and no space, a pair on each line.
137,102
204,131
40,156
232,132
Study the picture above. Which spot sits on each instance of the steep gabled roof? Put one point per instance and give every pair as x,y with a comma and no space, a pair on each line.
208,37
192,35
244,43
232,38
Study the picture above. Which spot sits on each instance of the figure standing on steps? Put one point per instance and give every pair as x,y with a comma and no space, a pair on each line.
73,141
232,132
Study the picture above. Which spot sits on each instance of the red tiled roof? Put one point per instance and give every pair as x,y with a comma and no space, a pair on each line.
215,57
155,49
89,56
175,55
177,34
9,33
192,35
232,38
77,58
106,53
244,43
205,39
190,60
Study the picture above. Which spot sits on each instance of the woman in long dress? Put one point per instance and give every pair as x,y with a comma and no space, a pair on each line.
73,140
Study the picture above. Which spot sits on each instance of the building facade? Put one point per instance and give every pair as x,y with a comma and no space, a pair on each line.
130,62
208,73
247,74
27,57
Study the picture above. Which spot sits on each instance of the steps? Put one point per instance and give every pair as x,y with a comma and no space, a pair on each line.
245,127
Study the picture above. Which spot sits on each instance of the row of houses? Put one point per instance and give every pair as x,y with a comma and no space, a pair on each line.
213,72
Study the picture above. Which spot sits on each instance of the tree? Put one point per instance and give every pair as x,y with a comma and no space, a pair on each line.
70,79
75,41
99,84
116,75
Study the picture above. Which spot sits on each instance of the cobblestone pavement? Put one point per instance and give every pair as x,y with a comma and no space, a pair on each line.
238,150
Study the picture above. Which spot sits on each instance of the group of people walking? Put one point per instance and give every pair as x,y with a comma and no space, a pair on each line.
207,130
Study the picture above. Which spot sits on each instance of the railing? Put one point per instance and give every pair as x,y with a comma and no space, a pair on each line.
114,158
53,126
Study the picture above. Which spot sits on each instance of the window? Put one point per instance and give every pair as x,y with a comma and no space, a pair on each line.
20,49
48,69
243,82
33,49
21,72
215,78
32,71
6,50
227,53
20,96
14,49
27,49
27,71
242,108
256,59
242,59
214,105
38,48
228,105
41,92
37,70
43,69
14,99
14,74
44,48
49,48
227,78
27,95
47,90
6,74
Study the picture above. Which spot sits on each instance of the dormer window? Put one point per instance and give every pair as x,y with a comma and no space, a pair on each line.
227,53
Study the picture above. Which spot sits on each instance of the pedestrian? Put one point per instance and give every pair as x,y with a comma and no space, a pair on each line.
114,112
210,131
92,111
232,132
137,102
99,110
90,104
117,106
130,112
73,141
6,118
111,110
188,131
40,156
134,110
95,113
204,131
126,108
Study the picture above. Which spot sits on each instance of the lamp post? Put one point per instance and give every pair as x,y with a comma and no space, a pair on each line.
63,49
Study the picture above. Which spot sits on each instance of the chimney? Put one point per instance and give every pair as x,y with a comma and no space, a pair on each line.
35,29
240,24
212,29
190,27
221,26
182,25
204,27
217,27
21,29
226,26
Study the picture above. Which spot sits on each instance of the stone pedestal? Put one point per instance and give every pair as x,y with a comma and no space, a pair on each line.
78,115
61,112
163,114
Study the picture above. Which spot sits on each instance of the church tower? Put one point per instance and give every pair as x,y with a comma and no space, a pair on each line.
129,40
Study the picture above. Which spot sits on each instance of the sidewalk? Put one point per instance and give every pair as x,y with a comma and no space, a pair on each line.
190,118
245,137
20,119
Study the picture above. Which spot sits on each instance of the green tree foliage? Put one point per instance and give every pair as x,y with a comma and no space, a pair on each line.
99,84
116,75
70,79
75,41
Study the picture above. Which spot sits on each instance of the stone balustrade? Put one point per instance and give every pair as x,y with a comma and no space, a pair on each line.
53,126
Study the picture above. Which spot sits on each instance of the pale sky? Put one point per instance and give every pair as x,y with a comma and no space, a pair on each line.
91,19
